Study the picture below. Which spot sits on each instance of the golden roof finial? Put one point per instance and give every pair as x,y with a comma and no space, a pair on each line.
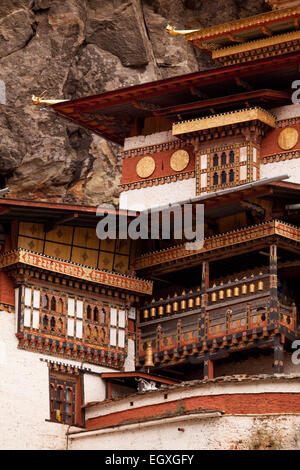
40,100
173,32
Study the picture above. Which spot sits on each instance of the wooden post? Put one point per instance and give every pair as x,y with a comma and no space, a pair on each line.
179,329
108,389
158,337
278,354
273,314
208,368
204,299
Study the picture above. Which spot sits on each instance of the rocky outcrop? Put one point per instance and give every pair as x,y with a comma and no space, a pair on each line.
75,48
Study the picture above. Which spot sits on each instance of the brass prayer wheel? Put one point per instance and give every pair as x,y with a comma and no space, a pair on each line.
146,314
229,292
169,308
221,295
252,288
175,304
153,310
183,302
161,309
191,301
214,297
244,289
260,285
236,291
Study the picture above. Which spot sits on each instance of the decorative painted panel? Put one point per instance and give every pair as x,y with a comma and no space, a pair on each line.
76,244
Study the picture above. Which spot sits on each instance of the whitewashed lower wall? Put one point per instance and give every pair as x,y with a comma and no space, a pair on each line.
288,167
208,430
156,196
230,387
196,433
24,394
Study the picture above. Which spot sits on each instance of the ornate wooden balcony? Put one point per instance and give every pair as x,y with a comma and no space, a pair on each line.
226,293
228,314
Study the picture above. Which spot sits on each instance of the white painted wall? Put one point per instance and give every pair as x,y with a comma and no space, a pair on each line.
288,167
139,400
218,433
286,112
94,388
147,140
156,196
200,431
24,394
130,359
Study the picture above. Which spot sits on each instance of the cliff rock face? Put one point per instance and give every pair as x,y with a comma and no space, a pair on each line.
75,48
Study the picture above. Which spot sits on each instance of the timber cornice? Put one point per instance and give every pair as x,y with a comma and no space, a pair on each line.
222,241
224,119
243,24
69,269
256,44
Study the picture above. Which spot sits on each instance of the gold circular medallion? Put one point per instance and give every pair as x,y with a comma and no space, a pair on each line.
179,160
288,138
145,167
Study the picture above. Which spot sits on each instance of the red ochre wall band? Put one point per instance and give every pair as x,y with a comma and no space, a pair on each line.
162,166
270,146
229,404
7,293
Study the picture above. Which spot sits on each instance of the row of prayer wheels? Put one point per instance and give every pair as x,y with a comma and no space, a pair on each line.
173,305
237,291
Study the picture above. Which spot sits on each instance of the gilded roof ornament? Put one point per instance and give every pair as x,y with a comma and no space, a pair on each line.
40,100
173,32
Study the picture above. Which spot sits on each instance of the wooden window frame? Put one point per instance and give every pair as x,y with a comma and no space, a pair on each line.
57,407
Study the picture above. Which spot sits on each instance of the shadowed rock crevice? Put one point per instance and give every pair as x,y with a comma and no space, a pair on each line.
76,48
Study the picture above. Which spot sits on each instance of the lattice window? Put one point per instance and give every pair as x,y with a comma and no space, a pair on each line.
102,316
31,308
53,304
62,399
96,314
88,313
75,318
74,322
117,327
216,179
45,301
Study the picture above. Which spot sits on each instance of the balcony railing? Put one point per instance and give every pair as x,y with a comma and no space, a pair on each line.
239,289
231,307
187,333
